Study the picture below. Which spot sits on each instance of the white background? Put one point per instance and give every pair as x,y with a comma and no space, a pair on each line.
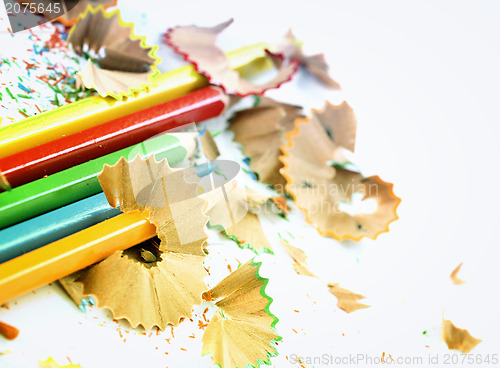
423,78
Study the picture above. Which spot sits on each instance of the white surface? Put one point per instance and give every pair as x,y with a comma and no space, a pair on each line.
423,80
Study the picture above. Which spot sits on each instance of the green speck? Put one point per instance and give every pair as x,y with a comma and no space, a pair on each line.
425,332
10,93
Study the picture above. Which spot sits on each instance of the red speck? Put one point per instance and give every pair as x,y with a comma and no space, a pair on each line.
229,268
57,81
172,330
296,311
55,40
30,65
166,353
192,336
294,330
183,349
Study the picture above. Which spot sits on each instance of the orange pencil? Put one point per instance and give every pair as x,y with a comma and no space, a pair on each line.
75,252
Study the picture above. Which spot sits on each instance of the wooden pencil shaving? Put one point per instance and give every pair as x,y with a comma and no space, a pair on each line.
242,330
314,64
198,46
236,214
338,202
261,131
163,196
454,276
300,259
339,123
112,82
457,338
347,300
121,63
146,286
208,145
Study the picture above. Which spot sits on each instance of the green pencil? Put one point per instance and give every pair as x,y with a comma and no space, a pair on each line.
80,181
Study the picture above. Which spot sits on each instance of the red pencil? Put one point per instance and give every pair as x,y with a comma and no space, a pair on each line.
65,152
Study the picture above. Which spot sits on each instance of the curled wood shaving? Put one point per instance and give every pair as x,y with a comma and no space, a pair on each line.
198,46
121,63
261,131
323,190
314,64
242,330
156,290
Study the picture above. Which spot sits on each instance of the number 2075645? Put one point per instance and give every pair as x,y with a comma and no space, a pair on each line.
469,359
33,7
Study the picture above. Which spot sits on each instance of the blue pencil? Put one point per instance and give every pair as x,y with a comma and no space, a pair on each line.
51,226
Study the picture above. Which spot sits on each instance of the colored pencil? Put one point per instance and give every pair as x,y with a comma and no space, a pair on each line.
70,185
74,149
41,230
63,257
93,111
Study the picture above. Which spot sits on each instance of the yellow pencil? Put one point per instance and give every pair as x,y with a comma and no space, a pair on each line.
75,252
93,111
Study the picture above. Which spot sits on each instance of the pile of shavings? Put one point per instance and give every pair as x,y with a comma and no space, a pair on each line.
158,284
39,73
